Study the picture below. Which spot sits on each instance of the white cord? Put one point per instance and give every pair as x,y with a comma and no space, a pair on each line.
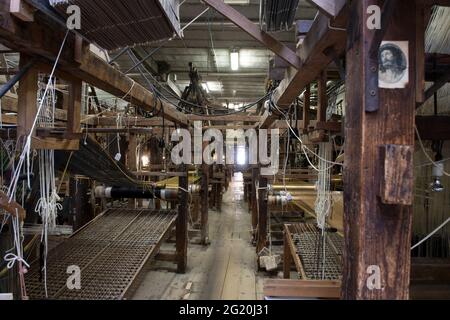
47,206
323,199
18,256
27,147
304,147
431,234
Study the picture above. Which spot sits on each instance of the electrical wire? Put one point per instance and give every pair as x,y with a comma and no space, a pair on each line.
305,149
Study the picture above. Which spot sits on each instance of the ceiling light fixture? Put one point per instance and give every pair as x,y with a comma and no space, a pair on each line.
234,60
214,86
241,2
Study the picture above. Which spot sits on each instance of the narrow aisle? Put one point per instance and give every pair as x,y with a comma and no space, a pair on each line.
226,269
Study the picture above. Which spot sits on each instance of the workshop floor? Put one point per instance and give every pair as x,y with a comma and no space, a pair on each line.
226,269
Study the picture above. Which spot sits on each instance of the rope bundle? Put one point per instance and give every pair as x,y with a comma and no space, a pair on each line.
437,36
323,201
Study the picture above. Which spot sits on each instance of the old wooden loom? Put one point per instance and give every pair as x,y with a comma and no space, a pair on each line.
315,258
111,251
318,278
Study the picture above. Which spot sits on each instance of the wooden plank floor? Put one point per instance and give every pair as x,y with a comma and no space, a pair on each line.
226,269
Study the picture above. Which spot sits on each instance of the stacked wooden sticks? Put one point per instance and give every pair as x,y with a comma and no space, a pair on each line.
114,24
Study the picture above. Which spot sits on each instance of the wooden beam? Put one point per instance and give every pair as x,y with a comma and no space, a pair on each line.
268,119
9,104
255,32
377,235
313,289
43,38
182,224
74,110
230,118
13,208
331,8
22,10
306,108
322,97
27,99
439,83
234,127
128,122
319,39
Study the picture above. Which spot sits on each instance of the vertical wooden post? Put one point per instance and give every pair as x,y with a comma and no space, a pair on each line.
213,187
262,214
155,159
74,107
204,202
182,222
322,102
306,108
287,259
27,98
81,210
255,177
132,162
422,12
377,235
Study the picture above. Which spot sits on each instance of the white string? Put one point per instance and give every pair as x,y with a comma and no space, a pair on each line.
431,234
304,148
323,200
12,258
18,256
47,206
27,147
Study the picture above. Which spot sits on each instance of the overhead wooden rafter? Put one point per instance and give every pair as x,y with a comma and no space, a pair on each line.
254,31
43,38
330,8
325,34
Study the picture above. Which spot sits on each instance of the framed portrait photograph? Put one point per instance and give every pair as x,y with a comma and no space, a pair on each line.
393,58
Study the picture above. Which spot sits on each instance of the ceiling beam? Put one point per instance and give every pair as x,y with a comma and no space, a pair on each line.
320,38
253,30
330,8
43,39
230,118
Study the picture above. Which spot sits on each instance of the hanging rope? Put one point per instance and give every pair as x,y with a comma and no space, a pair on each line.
12,258
323,200
48,204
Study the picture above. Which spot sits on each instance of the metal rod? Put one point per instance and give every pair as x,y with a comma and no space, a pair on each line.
8,85
162,44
